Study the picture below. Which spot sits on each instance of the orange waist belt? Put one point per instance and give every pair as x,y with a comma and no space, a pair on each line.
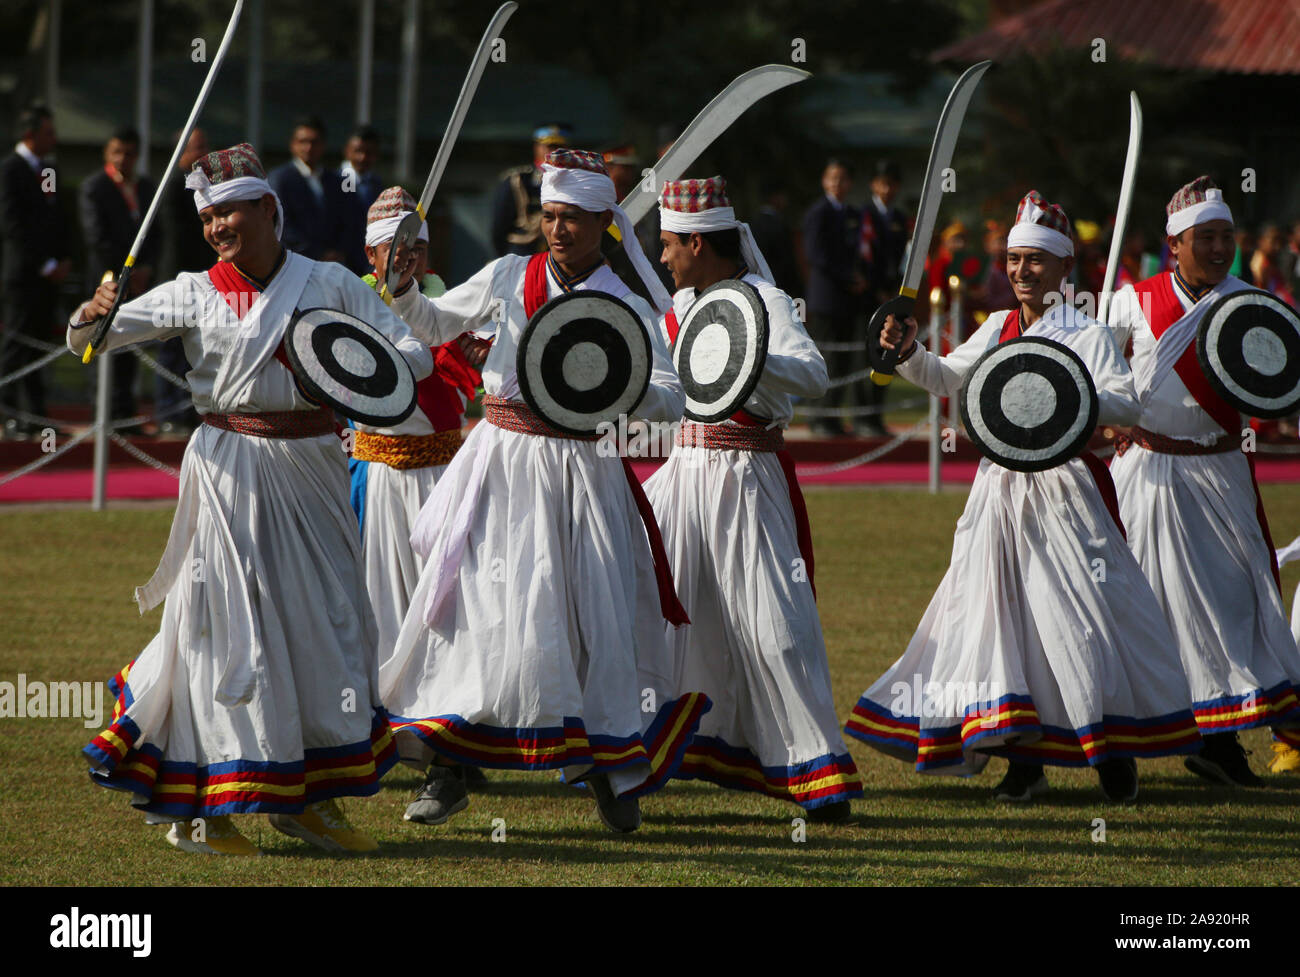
407,450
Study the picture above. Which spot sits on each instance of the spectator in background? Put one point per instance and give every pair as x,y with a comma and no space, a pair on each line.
361,184
1266,269
886,227
35,245
772,234
181,247
1293,259
624,167
517,201
113,203
837,284
314,203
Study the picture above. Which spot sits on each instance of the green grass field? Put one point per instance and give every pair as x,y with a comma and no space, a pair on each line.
65,605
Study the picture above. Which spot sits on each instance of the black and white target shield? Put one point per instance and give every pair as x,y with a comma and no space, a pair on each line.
720,350
349,365
1249,347
583,360
1029,404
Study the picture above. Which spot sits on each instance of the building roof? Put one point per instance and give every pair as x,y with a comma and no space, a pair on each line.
1241,36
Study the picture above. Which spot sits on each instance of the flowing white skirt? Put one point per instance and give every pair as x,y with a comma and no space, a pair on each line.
1193,527
394,498
535,638
754,645
1043,642
259,692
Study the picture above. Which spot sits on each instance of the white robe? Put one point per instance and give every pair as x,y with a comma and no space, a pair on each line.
1192,524
535,638
754,644
1043,642
259,692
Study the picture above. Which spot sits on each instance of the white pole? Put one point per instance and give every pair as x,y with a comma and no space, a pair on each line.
53,30
253,91
406,96
954,336
143,87
936,326
365,61
105,380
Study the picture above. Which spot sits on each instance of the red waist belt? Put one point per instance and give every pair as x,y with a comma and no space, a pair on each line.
277,424
511,415
735,437
516,416
1170,446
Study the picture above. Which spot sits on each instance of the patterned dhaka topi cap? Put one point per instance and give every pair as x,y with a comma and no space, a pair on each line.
231,174
1198,202
1041,225
386,213
579,178
700,206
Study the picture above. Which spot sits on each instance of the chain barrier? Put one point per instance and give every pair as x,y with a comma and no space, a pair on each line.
143,456
46,459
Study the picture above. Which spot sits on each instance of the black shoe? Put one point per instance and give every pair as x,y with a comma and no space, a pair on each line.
1023,782
836,812
473,777
870,429
1119,779
442,795
828,429
617,813
1223,761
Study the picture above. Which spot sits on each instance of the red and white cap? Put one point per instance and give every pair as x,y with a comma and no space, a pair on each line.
386,213
232,174
578,177
701,206
1041,225
1198,202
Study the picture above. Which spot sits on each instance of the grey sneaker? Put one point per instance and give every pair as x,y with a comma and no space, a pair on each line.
442,795
618,814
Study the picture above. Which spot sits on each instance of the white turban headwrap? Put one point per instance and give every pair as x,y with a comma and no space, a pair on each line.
1212,208
208,194
385,229
717,219
594,193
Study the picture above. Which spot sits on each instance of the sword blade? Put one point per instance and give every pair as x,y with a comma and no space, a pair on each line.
1125,204
713,120
467,89
945,141
102,329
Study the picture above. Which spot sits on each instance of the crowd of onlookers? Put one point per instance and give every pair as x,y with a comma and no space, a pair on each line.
841,258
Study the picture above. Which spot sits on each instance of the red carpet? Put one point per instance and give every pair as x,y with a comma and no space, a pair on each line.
138,482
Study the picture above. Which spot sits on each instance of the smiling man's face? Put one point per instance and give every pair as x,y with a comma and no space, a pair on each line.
1205,252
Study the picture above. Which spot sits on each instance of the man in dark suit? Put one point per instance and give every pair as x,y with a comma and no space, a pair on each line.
836,284
181,247
315,207
113,203
773,236
361,184
35,246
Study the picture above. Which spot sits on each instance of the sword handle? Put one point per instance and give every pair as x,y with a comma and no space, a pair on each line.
883,361
102,325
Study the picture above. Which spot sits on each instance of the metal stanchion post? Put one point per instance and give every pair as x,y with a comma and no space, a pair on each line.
936,326
955,289
105,380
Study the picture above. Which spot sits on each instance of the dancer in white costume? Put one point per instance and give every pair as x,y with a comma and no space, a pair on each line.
1026,651
259,693
395,469
1188,496
535,638
736,530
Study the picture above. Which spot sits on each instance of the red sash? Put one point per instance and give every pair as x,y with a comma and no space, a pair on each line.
240,294
1158,300
438,394
535,295
1100,473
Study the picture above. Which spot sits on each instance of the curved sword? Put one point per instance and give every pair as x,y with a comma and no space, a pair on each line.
945,141
409,229
1125,203
124,279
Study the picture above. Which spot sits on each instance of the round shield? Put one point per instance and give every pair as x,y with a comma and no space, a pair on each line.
349,365
720,350
584,359
1249,349
1029,404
